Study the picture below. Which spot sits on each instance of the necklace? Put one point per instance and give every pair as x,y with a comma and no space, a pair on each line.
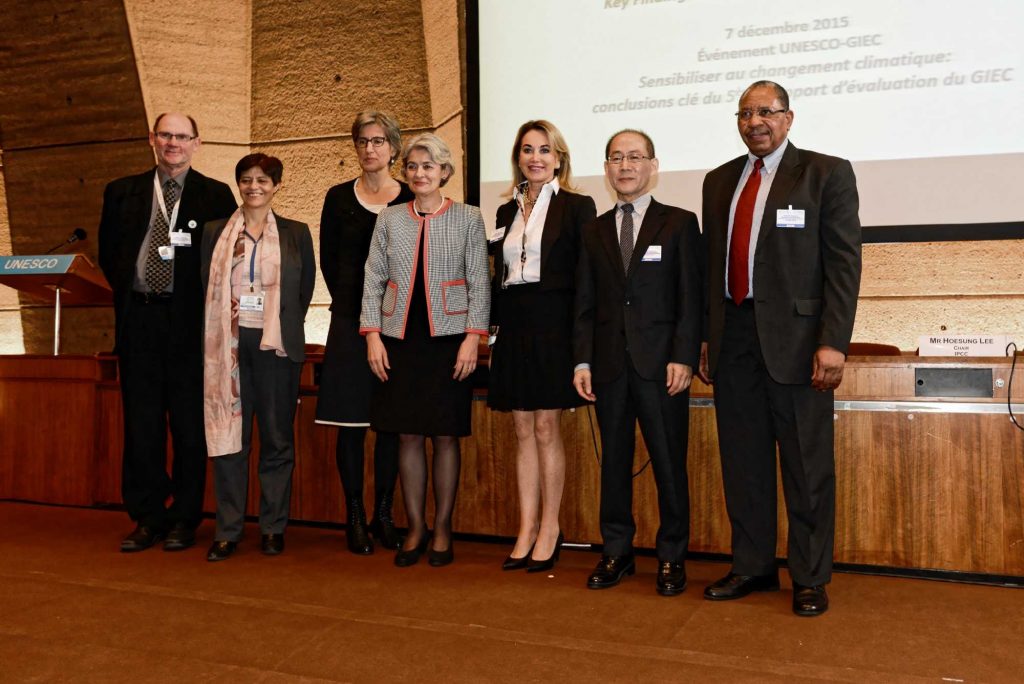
416,204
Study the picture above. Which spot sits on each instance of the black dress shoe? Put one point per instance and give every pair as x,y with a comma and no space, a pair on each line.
438,559
610,570
221,550
544,565
809,601
671,578
734,586
404,559
272,544
181,537
141,538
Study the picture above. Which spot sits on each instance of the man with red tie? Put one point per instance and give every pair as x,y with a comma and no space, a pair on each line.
784,259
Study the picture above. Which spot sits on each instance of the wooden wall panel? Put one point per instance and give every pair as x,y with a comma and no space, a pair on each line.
915,488
47,407
109,444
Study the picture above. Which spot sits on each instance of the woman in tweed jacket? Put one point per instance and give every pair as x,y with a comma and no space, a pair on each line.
426,299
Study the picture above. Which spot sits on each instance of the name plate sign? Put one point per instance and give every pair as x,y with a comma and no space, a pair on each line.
949,344
36,265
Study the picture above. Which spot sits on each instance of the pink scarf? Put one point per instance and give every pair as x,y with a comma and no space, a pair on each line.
222,401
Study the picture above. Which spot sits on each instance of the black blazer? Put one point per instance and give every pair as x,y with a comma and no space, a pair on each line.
806,280
559,247
127,206
346,229
298,276
653,314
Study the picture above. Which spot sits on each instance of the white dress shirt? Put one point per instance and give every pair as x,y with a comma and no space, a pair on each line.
771,165
522,243
640,206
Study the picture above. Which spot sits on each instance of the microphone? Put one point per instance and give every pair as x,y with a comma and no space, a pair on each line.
76,235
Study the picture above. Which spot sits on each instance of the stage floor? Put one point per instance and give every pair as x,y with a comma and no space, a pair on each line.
76,609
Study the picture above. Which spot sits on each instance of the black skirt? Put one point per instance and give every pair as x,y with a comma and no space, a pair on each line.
531,361
346,381
420,396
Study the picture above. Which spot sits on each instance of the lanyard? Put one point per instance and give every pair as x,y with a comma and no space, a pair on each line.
252,258
158,192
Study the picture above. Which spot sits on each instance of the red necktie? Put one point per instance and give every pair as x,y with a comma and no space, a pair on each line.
739,245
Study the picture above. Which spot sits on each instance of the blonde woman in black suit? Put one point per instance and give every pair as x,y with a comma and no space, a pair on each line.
536,247
425,306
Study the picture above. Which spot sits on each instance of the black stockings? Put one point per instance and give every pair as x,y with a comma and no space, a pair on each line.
349,457
413,465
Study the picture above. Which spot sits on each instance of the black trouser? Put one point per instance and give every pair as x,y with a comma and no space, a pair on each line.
161,383
270,392
664,424
754,413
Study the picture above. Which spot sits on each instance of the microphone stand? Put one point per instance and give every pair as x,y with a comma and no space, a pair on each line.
76,235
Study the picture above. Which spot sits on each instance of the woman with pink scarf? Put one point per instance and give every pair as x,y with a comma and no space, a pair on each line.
258,272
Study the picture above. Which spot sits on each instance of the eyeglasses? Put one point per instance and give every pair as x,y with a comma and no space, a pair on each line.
762,112
376,141
176,137
632,158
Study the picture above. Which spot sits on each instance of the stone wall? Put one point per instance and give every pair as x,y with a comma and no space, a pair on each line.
83,80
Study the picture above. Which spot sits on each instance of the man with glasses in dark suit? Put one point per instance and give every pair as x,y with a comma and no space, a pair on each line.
784,260
150,233
636,342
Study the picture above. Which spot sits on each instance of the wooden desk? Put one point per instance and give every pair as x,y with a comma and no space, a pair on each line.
929,483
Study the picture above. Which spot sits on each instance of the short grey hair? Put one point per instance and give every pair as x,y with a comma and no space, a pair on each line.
436,148
391,129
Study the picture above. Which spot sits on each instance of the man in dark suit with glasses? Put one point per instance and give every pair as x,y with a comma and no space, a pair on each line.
149,237
636,343
784,260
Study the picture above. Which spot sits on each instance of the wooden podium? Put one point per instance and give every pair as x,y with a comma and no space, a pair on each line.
64,279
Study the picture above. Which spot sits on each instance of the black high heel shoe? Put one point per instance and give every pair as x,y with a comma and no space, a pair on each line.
438,559
549,563
404,559
513,563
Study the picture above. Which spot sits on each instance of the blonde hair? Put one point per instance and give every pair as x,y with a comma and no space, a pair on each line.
558,144
436,148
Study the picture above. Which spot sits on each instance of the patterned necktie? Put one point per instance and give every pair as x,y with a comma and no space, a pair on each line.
158,269
739,245
626,236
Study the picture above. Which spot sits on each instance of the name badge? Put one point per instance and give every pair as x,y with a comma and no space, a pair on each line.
251,302
789,218
181,239
166,252
497,235
653,253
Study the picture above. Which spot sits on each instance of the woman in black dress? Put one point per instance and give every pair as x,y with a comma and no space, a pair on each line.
346,226
536,246
425,304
